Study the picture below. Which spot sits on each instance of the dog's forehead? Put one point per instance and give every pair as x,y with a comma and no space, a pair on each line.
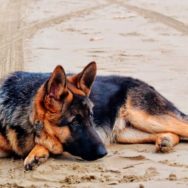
83,101
88,103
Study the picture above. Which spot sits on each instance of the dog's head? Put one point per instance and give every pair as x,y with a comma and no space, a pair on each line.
64,102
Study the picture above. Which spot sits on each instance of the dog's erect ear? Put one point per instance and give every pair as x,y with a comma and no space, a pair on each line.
85,79
56,88
57,83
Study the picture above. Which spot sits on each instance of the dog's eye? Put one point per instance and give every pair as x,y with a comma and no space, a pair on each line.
74,112
78,117
76,123
64,122
90,114
76,120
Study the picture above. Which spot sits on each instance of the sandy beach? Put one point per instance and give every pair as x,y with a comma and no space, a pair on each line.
143,39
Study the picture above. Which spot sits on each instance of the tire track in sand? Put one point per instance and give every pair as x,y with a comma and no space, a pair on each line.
155,16
11,55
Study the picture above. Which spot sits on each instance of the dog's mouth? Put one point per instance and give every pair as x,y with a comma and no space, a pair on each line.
93,153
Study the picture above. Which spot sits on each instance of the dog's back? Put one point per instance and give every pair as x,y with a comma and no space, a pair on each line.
115,97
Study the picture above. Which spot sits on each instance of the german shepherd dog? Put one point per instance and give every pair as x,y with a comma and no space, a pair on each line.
50,113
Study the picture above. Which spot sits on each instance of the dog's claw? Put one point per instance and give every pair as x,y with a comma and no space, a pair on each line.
28,167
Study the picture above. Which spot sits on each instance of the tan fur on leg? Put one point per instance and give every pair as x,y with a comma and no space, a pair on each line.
5,148
38,155
146,122
4,145
50,142
133,136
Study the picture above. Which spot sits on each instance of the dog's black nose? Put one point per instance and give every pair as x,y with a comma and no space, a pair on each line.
101,151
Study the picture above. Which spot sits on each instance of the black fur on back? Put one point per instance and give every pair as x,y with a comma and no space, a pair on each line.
109,93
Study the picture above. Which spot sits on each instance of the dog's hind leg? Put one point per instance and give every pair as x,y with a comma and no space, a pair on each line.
165,121
38,155
131,135
124,132
166,141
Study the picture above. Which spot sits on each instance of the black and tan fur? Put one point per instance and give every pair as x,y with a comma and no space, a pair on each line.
43,113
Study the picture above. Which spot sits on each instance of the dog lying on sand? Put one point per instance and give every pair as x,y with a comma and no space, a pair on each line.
44,113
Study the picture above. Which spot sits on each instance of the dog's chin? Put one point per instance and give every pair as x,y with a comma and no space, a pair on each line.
84,157
93,157
89,158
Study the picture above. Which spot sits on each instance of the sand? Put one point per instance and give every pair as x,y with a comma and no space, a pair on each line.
144,39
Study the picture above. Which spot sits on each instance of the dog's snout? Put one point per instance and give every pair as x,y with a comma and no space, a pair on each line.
101,151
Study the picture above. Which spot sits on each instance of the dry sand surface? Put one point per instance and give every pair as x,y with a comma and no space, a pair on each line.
147,39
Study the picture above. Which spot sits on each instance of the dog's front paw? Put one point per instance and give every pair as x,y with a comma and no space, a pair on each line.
38,155
29,164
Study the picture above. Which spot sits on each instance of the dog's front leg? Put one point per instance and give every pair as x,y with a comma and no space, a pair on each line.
38,155
46,137
45,144
50,142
